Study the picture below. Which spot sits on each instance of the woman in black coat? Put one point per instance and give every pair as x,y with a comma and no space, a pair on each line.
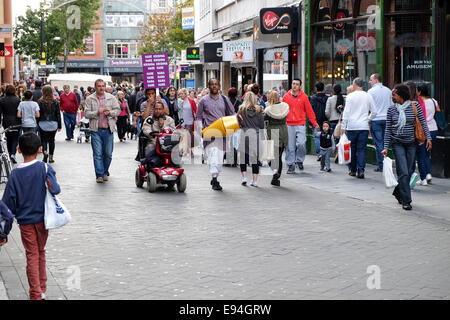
49,122
8,112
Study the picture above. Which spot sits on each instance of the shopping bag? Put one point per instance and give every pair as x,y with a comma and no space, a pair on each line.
344,150
56,214
79,117
267,148
388,173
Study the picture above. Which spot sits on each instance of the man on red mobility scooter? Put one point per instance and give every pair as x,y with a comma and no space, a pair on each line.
159,145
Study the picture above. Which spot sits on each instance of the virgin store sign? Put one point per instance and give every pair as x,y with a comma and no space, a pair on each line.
276,20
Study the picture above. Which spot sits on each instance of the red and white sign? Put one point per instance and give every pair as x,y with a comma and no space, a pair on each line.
276,20
366,41
8,51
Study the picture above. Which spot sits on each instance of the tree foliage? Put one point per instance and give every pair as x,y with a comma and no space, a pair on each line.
61,22
163,33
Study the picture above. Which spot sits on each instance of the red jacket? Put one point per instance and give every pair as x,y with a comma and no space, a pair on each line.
299,108
68,103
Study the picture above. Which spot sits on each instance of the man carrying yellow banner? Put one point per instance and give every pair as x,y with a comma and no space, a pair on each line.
211,108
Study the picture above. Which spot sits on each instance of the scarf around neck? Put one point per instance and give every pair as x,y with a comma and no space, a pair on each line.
401,115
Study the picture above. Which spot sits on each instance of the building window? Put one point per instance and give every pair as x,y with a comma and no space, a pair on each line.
276,70
162,3
408,46
122,50
344,47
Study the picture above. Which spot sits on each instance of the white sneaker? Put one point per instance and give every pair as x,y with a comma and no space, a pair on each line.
429,177
254,183
244,181
422,182
43,296
413,181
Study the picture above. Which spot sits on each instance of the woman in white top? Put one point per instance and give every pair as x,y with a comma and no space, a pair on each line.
424,156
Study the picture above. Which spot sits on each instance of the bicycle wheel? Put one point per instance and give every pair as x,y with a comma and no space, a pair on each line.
6,167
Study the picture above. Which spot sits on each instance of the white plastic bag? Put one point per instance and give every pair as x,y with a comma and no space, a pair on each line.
388,173
344,150
56,214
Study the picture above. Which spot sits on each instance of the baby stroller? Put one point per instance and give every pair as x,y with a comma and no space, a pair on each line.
83,126
164,171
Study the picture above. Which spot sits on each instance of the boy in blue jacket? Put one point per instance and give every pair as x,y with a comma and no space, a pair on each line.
25,196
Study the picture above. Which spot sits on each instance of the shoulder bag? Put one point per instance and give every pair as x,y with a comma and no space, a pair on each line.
337,129
418,130
439,116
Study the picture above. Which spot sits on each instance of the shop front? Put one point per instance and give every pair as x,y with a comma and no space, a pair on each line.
82,66
124,70
401,40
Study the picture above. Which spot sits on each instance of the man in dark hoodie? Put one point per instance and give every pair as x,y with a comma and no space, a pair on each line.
319,103
37,92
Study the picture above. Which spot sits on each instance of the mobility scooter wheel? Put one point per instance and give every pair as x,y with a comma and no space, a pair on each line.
182,183
138,180
151,182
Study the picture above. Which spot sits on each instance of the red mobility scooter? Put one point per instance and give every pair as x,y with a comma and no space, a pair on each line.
165,172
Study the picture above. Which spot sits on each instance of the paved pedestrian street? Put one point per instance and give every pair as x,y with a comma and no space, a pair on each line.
312,238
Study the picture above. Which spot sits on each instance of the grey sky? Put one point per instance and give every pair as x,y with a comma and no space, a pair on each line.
20,7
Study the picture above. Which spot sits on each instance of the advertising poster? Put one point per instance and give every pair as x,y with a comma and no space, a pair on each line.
238,51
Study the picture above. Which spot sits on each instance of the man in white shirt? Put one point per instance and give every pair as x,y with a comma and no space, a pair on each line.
383,100
355,123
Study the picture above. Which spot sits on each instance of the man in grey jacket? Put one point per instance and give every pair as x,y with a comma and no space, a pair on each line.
102,110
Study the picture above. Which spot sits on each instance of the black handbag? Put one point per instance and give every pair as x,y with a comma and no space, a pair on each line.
439,116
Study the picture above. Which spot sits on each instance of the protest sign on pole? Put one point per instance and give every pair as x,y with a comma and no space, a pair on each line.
155,67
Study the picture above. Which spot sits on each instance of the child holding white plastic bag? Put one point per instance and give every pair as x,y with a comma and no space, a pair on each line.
327,145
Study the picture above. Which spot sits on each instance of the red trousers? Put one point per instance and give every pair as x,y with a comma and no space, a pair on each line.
34,238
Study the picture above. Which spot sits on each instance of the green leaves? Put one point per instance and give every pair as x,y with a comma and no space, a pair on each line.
62,23
163,33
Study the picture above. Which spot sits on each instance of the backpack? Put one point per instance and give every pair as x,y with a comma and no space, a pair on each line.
6,220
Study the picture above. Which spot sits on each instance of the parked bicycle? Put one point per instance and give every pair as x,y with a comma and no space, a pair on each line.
5,160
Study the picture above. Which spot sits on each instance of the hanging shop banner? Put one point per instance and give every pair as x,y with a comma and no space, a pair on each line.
213,52
187,19
276,20
193,53
155,67
238,51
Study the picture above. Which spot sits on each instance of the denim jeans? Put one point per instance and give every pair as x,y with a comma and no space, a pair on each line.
70,121
358,147
296,148
377,129
404,161
325,161
336,141
102,143
12,141
423,158
317,141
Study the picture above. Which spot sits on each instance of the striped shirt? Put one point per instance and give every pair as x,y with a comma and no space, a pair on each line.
407,135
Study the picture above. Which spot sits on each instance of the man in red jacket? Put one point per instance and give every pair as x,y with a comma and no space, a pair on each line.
299,108
68,103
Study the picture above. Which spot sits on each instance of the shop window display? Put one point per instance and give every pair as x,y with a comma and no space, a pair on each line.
276,69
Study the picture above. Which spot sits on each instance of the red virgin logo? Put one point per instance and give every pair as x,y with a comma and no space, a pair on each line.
272,21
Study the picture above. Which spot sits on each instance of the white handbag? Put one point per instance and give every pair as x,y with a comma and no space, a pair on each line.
267,150
388,173
56,214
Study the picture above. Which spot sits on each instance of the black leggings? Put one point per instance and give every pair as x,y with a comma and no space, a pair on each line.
122,126
12,140
48,137
280,161
255,167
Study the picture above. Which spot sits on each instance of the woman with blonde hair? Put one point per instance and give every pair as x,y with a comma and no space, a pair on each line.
252,121
276,115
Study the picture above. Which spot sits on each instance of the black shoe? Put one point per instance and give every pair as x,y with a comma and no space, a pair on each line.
13,160
319,158
215,184
275,182
291,169
68,139
360,176
352,174
407,207
45,158
397,196
300,165
328,170
378,170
